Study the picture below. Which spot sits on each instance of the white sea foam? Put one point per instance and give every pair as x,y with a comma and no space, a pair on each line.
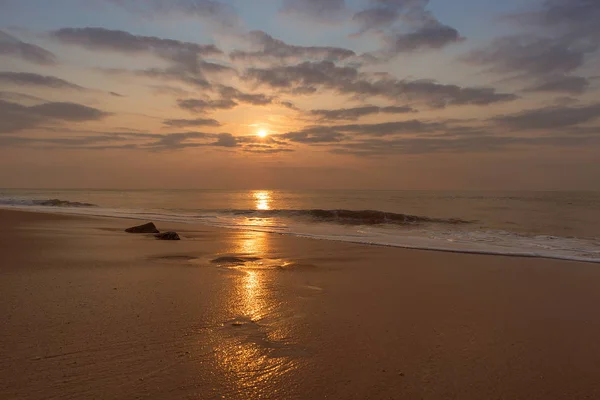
430,237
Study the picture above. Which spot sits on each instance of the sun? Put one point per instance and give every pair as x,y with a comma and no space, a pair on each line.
262,133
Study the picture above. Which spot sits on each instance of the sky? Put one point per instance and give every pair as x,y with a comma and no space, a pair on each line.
300,94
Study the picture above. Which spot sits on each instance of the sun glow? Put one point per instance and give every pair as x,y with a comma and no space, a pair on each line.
262,133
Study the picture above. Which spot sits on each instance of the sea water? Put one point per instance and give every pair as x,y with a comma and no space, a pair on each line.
562,225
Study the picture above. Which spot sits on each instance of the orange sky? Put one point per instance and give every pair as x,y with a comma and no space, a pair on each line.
137,95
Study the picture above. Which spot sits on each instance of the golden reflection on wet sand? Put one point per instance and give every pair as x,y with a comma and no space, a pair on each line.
249,353
253,298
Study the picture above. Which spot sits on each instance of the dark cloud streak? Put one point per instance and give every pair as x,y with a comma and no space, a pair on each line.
357,112
11,46
184,123
15,117
121,41
31,79
550,118
271,48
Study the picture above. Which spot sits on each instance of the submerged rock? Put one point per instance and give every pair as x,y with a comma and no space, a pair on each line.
146,228
167,236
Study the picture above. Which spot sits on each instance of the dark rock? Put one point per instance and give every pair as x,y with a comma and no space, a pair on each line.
167,236
146,228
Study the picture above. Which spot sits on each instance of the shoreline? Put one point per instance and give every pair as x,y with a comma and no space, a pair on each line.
313,237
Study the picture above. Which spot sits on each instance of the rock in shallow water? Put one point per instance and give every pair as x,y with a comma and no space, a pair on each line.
167,236
146,228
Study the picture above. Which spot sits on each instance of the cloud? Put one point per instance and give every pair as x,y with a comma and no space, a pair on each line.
357,112
186,57
184,123
30,79
170,74
229,98
175,141
431,36
380,129
125,42
561,84
578,18
343,133
89,142
11,46
405,26
183,140
375,17
170,90
271,48
305,74
15,117
527,55
68,112
225,140
383,14
209,10
550,118
230,93
186,60
451,136
257,149
472,144
126,140
19,97
307,77
319,10
391,128
201,106
195,77
559,37
314,135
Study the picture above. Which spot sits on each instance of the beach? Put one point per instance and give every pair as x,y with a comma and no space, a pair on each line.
91,312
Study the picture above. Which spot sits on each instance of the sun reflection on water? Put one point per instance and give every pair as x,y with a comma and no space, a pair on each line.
262,199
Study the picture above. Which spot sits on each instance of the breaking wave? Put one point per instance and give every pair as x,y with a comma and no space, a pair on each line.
350,217
44,203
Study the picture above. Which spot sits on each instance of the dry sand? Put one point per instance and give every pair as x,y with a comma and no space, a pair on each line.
90,312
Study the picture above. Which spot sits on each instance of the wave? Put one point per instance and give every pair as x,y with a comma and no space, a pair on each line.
44,203
350,217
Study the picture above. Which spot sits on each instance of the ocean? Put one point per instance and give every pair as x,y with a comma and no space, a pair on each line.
561,225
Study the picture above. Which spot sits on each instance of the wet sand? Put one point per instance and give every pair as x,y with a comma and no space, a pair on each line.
90,312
